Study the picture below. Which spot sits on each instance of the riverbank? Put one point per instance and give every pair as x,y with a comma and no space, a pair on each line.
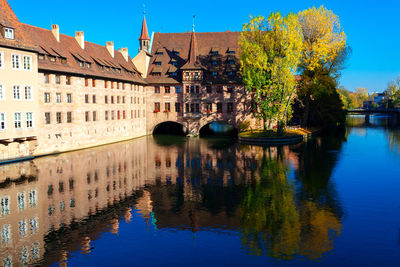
290,136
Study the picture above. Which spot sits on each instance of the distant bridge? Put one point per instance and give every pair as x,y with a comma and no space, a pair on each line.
373,111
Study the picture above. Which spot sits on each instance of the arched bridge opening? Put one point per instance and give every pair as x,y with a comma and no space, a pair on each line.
170,128
218,129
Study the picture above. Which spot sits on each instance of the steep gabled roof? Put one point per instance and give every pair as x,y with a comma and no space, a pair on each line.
94,54
8,19
192,62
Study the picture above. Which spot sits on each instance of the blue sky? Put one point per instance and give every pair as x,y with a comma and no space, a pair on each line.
372,27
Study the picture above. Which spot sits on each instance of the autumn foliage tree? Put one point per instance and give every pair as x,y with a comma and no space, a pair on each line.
323,57
270,53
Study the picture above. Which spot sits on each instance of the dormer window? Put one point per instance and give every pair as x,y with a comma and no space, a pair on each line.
231,62
9,33
81,64
231,52
52,59
174,74
88,65
175,64
214,62
158,63
159,53
215,74
175,53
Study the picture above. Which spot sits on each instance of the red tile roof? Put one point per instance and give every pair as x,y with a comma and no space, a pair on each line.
9,19
144,35
94,54
193,60
175,49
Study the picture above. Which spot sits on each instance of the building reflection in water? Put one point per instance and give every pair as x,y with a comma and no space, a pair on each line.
53,206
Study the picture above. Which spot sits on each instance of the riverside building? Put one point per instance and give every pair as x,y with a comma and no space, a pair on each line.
61,93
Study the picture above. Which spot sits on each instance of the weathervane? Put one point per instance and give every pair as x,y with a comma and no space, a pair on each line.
144,10
194,17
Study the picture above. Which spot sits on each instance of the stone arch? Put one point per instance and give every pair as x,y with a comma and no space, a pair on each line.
169,127
204,127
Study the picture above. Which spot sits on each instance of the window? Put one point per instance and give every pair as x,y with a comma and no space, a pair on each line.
157,89
167,107
105,84
28,93
209,107
187,107
46,78
197,105
16,92
177,107
197,89
117,85
94,116
5,206
17,120
112,99
112,115
118,115
29,120
69,98
58,79
219,107
2,93
32,198
8,33
23,228
192,89
106,99
230,88
21,201
86,82
229,108
123,100
167,89
46,97
87,116
157,107
69,117
1,60
208,88
15,60
27,62
47,117
158,63
68,80
112,85
58,97
178,89
192,107
219,89
106,115
215,63
93,83
2,121
117,99
94,99
124,114
86,99
214,74
58,117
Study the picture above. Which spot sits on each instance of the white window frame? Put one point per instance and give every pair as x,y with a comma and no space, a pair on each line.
32,198
9,33
17,92
28,92
1,59
45,98
3,122
2,92
21,201
58,98
18,121
16,61
5,207
27,63
5,233
29,120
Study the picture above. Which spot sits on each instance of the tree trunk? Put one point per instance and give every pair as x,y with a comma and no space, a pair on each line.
307,111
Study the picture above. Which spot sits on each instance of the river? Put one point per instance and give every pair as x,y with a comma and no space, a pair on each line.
166,200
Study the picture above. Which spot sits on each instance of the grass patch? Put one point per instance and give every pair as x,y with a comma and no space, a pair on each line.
274,134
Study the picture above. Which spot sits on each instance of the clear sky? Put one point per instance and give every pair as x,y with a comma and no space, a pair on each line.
372,27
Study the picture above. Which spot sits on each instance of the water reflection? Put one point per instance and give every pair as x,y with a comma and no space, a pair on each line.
281,202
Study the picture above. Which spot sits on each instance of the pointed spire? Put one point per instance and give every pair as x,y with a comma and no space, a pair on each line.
192,61
144,35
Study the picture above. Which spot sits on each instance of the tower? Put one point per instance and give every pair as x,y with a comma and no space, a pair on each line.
144,39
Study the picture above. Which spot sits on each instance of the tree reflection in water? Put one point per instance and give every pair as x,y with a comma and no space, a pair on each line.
283,222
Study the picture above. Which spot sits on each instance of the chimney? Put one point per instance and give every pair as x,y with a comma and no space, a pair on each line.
55,29
80,38
110,48
124,52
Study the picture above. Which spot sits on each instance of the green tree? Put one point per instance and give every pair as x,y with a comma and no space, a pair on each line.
393,92
324,55
270,54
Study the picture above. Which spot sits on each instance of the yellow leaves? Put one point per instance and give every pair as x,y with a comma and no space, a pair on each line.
324,39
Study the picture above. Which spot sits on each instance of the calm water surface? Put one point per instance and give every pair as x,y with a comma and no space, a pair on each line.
334,200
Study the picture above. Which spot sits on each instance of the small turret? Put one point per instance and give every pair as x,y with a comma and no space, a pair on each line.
144,39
